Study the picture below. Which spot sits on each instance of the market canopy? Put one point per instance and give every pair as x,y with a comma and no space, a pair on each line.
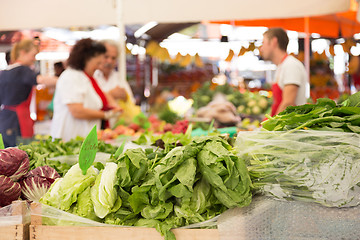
24,14
341,24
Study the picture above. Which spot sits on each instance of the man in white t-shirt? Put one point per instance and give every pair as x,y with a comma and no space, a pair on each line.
108,79
291,86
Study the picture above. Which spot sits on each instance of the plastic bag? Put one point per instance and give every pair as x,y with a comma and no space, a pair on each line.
56,217
16,213
268,219
315,166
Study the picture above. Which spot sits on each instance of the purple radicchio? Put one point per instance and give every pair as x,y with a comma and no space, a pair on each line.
37,182
9,190
14,163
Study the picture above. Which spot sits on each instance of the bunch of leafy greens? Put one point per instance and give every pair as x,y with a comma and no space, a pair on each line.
307,165
166,141
190,184
205,94
324,115
41,152
152,188
167,115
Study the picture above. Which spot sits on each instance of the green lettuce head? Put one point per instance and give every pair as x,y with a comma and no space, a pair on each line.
104,193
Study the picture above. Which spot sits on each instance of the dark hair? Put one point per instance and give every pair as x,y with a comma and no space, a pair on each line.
59,64
58,68
280,34
84,50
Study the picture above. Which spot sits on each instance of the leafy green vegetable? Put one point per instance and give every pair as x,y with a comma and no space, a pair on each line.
132,167
40,152
324,115
175,190
73,184
84,206
141,120
205,94
191,183
167,115
104,194
352,101
1,142
52,197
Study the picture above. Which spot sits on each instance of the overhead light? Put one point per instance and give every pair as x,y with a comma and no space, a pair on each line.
144,29
315,35
340,40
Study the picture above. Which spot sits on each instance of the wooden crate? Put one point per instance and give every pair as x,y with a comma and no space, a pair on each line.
19,231
42,232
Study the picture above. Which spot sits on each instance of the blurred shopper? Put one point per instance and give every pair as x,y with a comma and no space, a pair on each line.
108,78
16,84
291,82
58,69
79,103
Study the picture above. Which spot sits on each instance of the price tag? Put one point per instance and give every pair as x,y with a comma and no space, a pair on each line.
1,142
88,150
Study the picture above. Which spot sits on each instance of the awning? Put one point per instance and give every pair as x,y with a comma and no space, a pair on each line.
25,14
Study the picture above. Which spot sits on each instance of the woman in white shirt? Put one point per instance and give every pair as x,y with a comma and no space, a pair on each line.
79,103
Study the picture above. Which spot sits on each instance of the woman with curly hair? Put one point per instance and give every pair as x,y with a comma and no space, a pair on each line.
79,103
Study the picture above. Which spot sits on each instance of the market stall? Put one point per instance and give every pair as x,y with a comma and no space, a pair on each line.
175,180
153,178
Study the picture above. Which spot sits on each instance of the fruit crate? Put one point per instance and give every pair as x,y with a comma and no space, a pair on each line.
38,231
14,221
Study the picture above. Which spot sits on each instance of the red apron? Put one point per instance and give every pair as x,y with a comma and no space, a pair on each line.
277,94
23,114
102,97
277,98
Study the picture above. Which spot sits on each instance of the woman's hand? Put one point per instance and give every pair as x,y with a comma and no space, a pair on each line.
113,113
